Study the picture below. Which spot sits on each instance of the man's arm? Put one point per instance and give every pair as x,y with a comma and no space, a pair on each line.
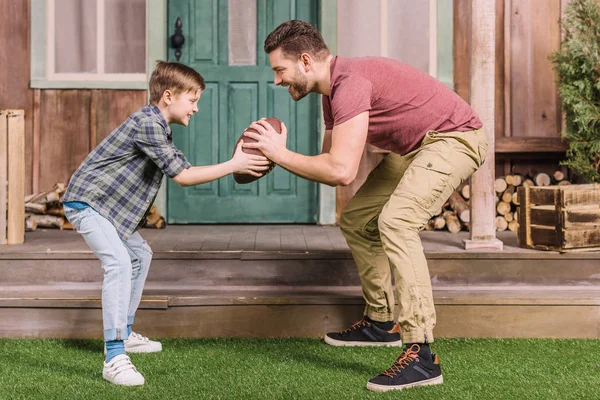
338,166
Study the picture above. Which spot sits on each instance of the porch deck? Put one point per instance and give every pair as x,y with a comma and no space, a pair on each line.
241,280
253,238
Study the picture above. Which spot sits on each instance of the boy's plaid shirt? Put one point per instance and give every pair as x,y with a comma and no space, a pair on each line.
121,176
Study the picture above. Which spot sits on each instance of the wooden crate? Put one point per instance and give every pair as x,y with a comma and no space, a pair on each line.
12,176
560,218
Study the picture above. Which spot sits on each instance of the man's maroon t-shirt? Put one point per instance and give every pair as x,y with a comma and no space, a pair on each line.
403,102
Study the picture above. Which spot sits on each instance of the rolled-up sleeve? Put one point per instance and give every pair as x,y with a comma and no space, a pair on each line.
152,140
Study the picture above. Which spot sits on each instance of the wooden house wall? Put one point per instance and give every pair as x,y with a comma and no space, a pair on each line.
528,117
61,126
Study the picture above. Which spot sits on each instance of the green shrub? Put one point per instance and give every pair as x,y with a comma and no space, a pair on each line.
577,65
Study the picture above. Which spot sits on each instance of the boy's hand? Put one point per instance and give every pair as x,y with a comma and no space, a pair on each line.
249,164
271,143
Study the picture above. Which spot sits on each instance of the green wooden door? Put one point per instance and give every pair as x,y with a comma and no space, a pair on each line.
235,96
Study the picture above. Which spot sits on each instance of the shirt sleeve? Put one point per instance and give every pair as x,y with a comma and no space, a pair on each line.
350,96
152,140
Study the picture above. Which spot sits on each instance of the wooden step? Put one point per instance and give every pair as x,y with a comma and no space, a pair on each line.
306,268
73,311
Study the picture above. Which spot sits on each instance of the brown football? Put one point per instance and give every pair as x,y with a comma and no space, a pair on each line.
247,178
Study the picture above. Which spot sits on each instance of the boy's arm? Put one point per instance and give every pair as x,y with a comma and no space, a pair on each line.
151,139
197,175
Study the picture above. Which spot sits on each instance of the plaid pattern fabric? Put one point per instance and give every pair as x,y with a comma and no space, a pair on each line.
121,176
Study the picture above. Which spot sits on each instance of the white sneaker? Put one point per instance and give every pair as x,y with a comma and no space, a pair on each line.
121,371
137,343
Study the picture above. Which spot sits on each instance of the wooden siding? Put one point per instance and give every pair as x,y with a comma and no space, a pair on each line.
61,126
73,122
527,109
14,79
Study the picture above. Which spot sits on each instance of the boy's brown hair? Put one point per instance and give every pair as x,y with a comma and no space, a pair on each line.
296,37
176,77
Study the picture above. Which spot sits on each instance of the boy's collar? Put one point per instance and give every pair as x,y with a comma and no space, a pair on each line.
161,118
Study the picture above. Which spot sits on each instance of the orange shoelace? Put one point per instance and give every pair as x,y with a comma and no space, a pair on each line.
361,323
402,361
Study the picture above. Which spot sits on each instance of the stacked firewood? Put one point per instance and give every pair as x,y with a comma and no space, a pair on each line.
154,219
44,210
455,215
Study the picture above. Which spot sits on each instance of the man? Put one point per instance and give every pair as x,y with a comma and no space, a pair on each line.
435,142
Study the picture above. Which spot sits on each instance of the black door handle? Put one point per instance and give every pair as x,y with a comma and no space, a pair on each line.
177,39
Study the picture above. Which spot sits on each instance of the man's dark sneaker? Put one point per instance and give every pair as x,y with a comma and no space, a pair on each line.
365,333
410,370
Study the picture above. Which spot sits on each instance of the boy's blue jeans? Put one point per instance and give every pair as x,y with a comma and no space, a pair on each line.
125,265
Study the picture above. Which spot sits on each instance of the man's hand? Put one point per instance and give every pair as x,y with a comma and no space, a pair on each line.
271,143
243,163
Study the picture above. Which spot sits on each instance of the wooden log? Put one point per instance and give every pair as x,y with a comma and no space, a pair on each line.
563,183
500,185
160,224
558,176
509,216
60,188
36,208
517,180
30,225
501,223
508,194
459,206
429,225
509,179
439,223
48,221
452,222
542,179
515,199
513,226
503,208
68,226
56,210
528,183
465,191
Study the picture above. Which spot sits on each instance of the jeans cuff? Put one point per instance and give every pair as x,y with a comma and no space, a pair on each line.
115,334
130,319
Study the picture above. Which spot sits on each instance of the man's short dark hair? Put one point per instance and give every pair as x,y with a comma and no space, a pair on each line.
296,37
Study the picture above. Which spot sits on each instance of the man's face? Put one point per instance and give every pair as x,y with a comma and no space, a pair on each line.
289,73
183,106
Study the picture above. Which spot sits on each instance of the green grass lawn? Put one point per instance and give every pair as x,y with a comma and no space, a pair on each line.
300,369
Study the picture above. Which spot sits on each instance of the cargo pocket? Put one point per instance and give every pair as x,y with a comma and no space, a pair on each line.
426,180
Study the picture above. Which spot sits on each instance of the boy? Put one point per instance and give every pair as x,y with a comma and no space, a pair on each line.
112,190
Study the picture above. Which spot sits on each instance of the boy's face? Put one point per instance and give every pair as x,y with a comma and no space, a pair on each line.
183,106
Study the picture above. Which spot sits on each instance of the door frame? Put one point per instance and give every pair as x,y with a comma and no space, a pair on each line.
157,50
